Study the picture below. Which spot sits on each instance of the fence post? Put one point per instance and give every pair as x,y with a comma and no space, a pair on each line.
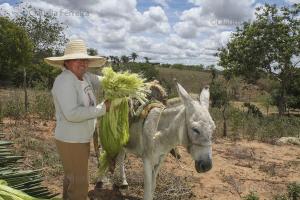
25,90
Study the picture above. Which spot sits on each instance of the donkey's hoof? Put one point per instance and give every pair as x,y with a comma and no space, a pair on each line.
98,185
123,185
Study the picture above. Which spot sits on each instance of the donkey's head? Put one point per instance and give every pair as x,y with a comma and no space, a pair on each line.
200,127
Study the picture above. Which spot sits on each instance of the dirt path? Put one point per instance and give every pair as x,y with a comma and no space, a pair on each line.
238,167
244,166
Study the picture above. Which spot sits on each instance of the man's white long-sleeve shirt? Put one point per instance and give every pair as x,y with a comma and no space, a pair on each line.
75,105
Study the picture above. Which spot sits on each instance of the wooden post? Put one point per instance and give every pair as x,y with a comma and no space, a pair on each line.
25,91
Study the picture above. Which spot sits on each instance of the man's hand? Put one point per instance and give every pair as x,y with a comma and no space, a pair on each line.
107,105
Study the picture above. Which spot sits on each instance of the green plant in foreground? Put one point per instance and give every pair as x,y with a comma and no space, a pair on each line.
28,181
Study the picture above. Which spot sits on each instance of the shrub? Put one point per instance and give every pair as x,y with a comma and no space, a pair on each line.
13,106
294,191
265,129
251,196
43,105
146,69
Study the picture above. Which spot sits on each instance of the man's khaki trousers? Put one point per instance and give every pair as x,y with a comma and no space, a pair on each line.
74,157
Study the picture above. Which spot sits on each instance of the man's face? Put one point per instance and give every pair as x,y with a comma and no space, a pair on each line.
77,66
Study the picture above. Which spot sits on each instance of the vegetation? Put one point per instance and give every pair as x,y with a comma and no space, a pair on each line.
266,46
41,36
260,52
220,99
293,193
28,181
40,104
15,52
249,126
251,196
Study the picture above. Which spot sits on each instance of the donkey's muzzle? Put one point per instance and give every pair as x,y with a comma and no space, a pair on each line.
203,165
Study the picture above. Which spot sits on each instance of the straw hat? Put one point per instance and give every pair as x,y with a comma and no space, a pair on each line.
76,49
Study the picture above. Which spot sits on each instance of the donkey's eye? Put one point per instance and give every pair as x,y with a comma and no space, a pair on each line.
196,130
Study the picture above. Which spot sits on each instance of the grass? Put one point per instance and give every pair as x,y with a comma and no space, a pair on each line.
43,155
251,196
272,109
12,103
30,141
267,128
240,124
193,81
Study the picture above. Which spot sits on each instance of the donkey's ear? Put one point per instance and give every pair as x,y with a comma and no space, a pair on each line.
204,97
184,96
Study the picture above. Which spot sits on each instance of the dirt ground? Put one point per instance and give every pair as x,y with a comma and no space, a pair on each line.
238,167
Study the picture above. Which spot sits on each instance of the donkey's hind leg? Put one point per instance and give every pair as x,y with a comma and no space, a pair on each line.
156,170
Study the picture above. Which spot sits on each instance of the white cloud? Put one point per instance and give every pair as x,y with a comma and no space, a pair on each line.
6,9
119,28
180,43
228,9
293,1
196,2
139,43
153,19
216,40
213,18
186,29
115,8
163,3
219,13
72,18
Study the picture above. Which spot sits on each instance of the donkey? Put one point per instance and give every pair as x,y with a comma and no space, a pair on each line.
188,124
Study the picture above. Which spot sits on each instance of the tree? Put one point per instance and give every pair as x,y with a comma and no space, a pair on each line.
15,50
293,91
266,46
47,37
125,59
147,59
92,52
134,56
214,72
266,101
44,29
220,99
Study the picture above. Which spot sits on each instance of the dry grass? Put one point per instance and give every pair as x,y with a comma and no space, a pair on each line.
193,81
169,186
239,105
232,181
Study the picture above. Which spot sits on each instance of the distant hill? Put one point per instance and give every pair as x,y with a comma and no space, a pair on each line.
192,81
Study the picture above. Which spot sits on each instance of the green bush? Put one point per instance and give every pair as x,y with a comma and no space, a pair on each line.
294,191
251,196
280,197
146,69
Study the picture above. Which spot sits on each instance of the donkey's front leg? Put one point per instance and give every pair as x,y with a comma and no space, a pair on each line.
119,175
148,172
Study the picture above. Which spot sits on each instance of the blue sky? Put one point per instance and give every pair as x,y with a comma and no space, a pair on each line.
167,31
